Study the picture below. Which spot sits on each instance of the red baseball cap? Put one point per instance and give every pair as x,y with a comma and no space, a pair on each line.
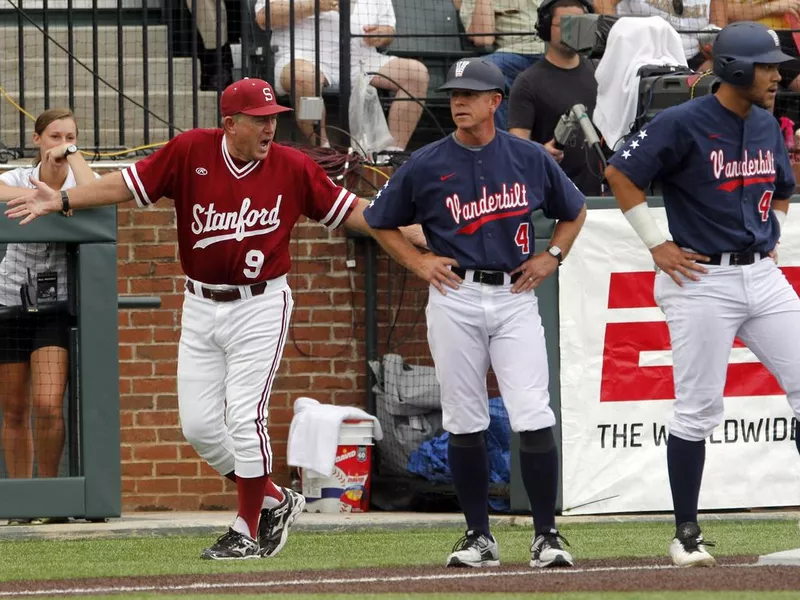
250,97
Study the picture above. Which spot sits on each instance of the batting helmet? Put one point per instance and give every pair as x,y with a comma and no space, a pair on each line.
740,46
545,16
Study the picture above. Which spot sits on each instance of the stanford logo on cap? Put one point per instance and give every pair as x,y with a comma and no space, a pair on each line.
250,97
460,66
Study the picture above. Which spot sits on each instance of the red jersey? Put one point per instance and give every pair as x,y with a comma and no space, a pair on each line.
233,221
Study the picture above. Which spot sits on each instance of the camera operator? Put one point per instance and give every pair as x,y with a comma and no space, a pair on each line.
551,87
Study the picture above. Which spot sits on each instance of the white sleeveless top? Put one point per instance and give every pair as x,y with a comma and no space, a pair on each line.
38,257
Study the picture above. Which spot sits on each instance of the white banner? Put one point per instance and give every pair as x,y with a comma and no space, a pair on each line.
617,388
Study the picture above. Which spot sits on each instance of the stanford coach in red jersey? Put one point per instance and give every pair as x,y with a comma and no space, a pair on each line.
237,196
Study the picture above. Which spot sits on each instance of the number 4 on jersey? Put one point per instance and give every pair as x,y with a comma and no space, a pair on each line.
765,204
522,238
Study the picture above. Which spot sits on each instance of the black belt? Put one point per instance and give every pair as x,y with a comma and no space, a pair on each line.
487,277
225,295
736,258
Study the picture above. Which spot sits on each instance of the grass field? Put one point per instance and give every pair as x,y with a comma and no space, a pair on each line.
157,556
313,551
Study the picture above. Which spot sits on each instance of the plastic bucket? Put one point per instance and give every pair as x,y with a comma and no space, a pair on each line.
347,489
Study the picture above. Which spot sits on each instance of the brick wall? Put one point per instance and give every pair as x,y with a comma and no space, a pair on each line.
324,356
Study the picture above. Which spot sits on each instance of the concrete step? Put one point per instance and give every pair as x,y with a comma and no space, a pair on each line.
34,41
107,69
109,138
109,109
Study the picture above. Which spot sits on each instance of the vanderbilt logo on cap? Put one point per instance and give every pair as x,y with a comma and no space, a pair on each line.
460,66
774,38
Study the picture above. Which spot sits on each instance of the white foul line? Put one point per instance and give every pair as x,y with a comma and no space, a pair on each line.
335,581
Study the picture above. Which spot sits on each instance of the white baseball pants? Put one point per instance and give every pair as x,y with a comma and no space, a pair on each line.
754,302
228,357
478,325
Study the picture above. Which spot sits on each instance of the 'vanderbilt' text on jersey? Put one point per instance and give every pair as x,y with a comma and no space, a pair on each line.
475,205
234,220
719,172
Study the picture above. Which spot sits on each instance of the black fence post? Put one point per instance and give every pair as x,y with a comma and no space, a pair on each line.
218,58
344,66
195,56
145,75
170,72
120,76
95,71
21,69
46,53
70,60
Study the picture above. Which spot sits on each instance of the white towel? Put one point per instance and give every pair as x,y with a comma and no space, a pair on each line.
314,433
632,43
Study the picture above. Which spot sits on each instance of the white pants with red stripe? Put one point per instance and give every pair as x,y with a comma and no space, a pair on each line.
754,302
478,325
227,361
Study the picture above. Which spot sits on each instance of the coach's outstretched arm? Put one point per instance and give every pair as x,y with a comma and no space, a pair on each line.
667,255
110,189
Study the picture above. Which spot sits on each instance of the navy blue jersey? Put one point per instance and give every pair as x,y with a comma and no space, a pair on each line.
475,205
719,174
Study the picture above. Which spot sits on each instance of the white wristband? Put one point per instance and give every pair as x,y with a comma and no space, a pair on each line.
781,218
642,221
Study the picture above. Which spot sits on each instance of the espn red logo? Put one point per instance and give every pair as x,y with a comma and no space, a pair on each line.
625,379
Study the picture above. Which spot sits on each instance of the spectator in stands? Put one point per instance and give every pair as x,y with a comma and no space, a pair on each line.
216,73
513,53
548,89
367,17
33,346
782,16
683,15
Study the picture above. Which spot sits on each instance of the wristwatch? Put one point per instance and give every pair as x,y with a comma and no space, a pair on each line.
70,150
555,252
66,209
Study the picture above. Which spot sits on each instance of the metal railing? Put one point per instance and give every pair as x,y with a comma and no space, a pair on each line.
133,73
136,72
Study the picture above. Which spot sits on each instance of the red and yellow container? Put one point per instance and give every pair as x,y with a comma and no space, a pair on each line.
347,489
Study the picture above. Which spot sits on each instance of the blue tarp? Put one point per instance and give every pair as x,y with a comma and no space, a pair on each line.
430,459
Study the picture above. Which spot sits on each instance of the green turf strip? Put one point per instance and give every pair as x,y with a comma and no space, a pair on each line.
38,559
682,595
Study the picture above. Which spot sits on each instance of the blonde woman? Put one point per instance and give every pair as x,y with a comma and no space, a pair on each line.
33,347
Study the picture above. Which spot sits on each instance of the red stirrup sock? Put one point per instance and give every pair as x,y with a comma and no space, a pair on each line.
251,494
273,495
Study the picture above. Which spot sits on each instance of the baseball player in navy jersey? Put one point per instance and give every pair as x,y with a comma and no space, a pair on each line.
473,194
726,180
237,196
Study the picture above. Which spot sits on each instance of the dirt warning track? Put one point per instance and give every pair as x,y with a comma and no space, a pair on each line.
734,573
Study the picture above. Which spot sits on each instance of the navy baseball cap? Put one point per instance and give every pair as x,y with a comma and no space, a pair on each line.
475,74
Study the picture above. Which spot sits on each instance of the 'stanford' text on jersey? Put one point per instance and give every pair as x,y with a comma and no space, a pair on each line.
475,205
719,174
234,220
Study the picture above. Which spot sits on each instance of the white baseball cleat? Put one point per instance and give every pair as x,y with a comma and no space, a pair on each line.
547,551
688,549
474,550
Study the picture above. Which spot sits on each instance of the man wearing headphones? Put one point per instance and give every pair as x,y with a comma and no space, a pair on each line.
548,89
